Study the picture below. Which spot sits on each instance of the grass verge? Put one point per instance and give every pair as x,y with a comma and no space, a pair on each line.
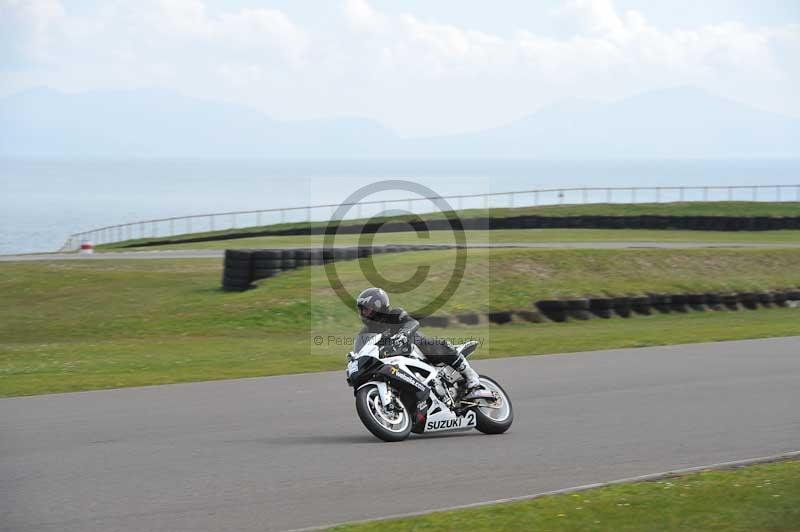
709,208
80,325
500,236
758,497
48,366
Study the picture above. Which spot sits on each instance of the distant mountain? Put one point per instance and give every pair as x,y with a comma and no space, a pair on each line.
680,122
158,123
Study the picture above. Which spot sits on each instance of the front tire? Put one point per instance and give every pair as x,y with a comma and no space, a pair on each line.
388,425
494,420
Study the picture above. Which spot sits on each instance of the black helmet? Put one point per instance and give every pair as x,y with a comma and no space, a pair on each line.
370,302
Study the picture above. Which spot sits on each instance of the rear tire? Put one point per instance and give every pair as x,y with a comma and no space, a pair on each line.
494,425
369,411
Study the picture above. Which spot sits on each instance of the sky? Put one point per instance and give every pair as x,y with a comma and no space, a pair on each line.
419,67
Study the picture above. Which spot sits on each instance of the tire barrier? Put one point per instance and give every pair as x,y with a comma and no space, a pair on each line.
686,223
661,302
529,316
469,318
621,306
697,302
237,275
553,309
679,303
562,310
578,309
601,307
765,299
434,321
748,300
244,266
731,301
779,298
714,301
641,305
500,317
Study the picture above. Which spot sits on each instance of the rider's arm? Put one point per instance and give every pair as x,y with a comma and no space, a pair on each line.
362,338
408,325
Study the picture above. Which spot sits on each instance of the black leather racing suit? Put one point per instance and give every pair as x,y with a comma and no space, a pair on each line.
399,321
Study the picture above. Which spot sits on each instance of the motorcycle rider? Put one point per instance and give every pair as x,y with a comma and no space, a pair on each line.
378,317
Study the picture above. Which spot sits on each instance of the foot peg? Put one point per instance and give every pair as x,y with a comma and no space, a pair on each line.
479,392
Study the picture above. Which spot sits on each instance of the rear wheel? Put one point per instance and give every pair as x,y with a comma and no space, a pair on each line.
388,422
495,417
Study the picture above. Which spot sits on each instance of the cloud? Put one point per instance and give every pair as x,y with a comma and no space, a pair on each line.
28,28
604,40
415,73
362,17
248,29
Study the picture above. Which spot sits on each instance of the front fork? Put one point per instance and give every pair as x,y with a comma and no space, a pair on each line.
383,391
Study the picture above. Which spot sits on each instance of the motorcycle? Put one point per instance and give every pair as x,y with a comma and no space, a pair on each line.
398,392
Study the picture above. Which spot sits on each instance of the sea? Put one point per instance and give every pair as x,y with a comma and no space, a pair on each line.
43,201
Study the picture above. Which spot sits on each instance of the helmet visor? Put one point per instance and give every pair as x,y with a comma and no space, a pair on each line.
366,312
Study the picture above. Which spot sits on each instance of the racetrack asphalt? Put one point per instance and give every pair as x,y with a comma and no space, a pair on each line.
286,452
214,253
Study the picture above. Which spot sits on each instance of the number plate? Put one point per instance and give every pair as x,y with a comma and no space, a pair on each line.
352,367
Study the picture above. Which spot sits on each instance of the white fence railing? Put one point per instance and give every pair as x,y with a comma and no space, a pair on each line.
200,223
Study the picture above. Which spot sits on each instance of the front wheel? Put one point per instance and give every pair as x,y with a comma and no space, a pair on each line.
388,422
494,418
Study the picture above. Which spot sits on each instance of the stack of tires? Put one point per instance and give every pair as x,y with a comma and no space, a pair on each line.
267,263
553,309
601,306
237,274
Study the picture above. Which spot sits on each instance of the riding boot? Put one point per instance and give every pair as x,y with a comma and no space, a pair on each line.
472,385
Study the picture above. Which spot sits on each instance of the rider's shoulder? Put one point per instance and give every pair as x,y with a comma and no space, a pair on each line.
399,313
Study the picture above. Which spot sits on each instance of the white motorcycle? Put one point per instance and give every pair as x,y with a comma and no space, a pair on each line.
397,394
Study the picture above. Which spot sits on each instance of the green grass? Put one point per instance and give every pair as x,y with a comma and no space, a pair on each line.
78,325
501,236
759,497
718,208
50,366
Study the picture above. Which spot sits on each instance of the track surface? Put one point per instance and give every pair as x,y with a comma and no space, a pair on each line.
213,253
285,452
